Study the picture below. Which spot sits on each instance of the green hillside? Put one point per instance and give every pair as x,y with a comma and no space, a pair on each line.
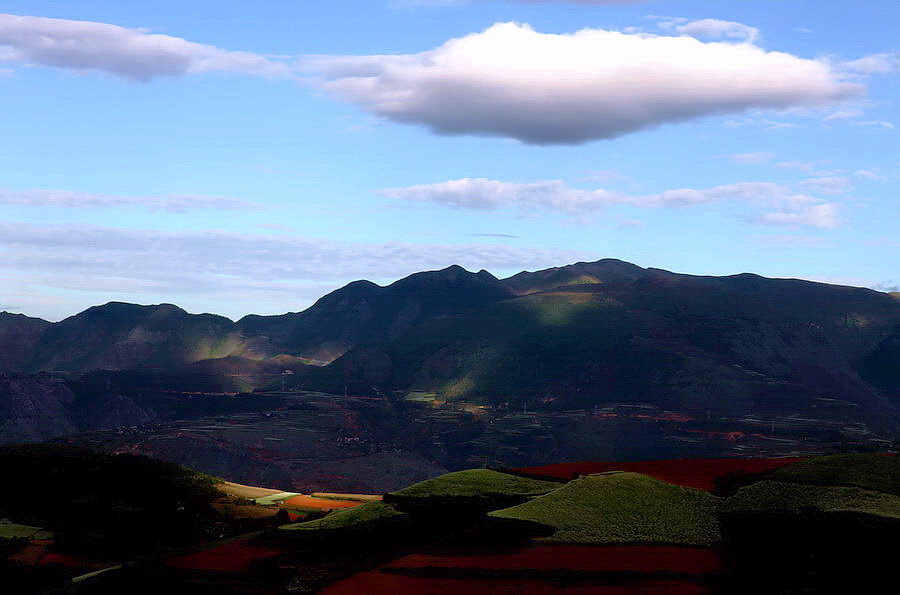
369,516
780,496
619,508
471,485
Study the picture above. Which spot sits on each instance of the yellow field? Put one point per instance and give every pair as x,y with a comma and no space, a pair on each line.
242,491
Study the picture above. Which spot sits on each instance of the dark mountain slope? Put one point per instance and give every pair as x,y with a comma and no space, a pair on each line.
364,312
119,336
19,334
730,345
605,271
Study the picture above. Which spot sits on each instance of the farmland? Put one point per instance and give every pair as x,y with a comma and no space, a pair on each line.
304,502
487,531
307,442
702,474
234,557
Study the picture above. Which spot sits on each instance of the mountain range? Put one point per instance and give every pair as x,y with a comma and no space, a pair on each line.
570,337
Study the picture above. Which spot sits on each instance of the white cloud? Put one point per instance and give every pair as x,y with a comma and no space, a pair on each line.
755,158
874,64
132,54
511,81
827,185
718,29
175,203
555,195
822,216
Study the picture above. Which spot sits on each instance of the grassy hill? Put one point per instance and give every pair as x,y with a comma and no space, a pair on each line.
474,488
869,472
621,508
780,496
368,517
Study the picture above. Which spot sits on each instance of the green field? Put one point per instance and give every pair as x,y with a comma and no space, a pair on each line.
9,530
361,517
867,471
619,508
778,496
274,499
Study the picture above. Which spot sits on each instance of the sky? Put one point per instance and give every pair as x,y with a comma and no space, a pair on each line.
238,157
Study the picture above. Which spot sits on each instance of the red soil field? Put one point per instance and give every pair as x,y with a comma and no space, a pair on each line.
688,560
382,583
37,553
32,553
694,473
310,502
73,561
235,556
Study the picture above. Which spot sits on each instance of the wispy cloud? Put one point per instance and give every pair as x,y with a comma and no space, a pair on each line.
229,265
827,185
822,216
713,29
131,54
790,241
174,203
794,208
874,64
413,3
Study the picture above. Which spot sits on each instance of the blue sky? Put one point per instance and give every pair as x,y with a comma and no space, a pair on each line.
262,154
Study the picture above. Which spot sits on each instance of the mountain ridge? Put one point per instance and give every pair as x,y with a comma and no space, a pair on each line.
574,336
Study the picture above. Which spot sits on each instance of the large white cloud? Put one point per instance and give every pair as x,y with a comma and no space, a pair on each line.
540,88
132,54
174,203
793,208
